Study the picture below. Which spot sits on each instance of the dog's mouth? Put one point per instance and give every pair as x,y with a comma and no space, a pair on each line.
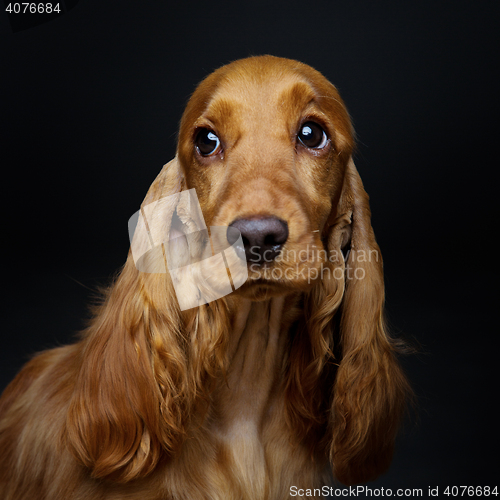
282,276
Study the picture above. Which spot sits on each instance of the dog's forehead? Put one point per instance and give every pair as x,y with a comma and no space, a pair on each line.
264,85
262,96
260,79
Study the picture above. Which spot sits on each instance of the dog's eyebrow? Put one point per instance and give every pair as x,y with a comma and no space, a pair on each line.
298,97
220,110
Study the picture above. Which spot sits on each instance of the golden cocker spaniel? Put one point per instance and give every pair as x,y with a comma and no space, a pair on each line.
285,383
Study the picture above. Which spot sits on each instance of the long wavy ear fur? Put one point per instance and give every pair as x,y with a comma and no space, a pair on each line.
133,391
370,389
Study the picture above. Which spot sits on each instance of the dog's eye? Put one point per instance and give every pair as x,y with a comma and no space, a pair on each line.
207,143
311,135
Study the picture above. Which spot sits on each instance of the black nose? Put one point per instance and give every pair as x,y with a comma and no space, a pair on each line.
262,238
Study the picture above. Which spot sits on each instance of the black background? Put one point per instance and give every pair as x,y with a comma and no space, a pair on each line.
90,104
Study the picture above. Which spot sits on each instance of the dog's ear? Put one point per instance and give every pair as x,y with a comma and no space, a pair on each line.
370,389
146,366
169,181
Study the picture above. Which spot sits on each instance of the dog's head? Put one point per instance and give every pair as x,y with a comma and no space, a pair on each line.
266,143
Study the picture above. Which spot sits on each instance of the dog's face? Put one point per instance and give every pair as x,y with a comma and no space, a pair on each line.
265,142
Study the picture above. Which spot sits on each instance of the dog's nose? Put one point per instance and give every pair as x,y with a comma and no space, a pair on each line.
262,237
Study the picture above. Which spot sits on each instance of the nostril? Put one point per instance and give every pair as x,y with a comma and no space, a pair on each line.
278,233
262,237
270,240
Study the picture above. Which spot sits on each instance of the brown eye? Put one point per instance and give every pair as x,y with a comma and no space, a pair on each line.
311,135
206,142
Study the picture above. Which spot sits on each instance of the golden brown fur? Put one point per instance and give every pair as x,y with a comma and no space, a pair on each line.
286,381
